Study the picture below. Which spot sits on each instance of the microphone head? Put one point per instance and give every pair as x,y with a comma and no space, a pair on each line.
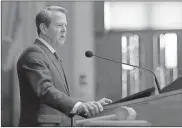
88,54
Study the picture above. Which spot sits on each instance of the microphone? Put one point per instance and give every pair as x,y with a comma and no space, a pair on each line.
89,54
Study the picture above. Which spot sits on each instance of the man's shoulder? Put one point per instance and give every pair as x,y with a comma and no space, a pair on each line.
34,48
32,51
31,56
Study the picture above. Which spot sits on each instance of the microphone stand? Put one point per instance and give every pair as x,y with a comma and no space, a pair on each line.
155,78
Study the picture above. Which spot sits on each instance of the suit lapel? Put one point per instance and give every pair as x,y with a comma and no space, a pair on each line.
60,63
55,62
66,80
64,76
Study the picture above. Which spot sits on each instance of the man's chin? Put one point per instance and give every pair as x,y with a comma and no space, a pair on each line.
61,42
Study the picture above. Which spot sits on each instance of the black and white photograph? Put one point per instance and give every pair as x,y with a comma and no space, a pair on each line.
91,63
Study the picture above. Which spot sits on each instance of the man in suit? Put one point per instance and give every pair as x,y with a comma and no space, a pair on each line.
44,91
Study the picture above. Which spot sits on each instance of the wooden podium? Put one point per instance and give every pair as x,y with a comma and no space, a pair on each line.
112,123
158,110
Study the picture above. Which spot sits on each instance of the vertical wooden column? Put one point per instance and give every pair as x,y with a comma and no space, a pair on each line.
84,73
146,59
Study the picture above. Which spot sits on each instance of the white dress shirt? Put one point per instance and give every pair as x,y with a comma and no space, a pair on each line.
74,109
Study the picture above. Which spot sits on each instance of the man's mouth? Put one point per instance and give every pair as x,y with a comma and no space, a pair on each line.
62,37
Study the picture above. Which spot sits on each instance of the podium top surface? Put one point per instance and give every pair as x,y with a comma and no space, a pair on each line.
158,96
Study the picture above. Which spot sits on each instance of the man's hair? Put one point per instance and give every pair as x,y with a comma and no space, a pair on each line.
44,16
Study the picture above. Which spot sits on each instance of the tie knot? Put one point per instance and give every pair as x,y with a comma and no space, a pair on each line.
56,55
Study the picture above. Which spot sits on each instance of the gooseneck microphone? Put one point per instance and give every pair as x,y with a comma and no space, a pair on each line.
89,54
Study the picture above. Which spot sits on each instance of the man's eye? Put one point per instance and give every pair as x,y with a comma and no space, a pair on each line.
61,25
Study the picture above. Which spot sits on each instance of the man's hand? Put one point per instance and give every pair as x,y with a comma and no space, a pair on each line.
104,101
90,108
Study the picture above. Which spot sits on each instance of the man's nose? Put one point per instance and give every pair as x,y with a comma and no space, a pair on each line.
64,29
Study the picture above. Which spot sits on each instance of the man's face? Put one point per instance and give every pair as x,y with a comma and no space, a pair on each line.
58,28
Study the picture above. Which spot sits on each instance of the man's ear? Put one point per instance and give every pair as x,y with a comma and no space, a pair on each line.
43,28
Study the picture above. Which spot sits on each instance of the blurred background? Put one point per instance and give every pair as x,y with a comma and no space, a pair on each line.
146,34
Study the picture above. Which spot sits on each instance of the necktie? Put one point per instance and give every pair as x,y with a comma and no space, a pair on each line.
57,57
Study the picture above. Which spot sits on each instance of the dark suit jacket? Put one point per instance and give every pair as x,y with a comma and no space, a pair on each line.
43,89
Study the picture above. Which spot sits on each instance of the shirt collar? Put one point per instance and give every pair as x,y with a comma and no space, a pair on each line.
47,45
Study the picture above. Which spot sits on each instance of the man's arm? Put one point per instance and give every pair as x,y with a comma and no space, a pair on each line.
37,73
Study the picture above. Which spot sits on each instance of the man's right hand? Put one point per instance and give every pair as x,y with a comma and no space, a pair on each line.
90,108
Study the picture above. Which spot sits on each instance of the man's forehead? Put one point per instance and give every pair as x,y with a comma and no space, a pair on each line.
58,15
